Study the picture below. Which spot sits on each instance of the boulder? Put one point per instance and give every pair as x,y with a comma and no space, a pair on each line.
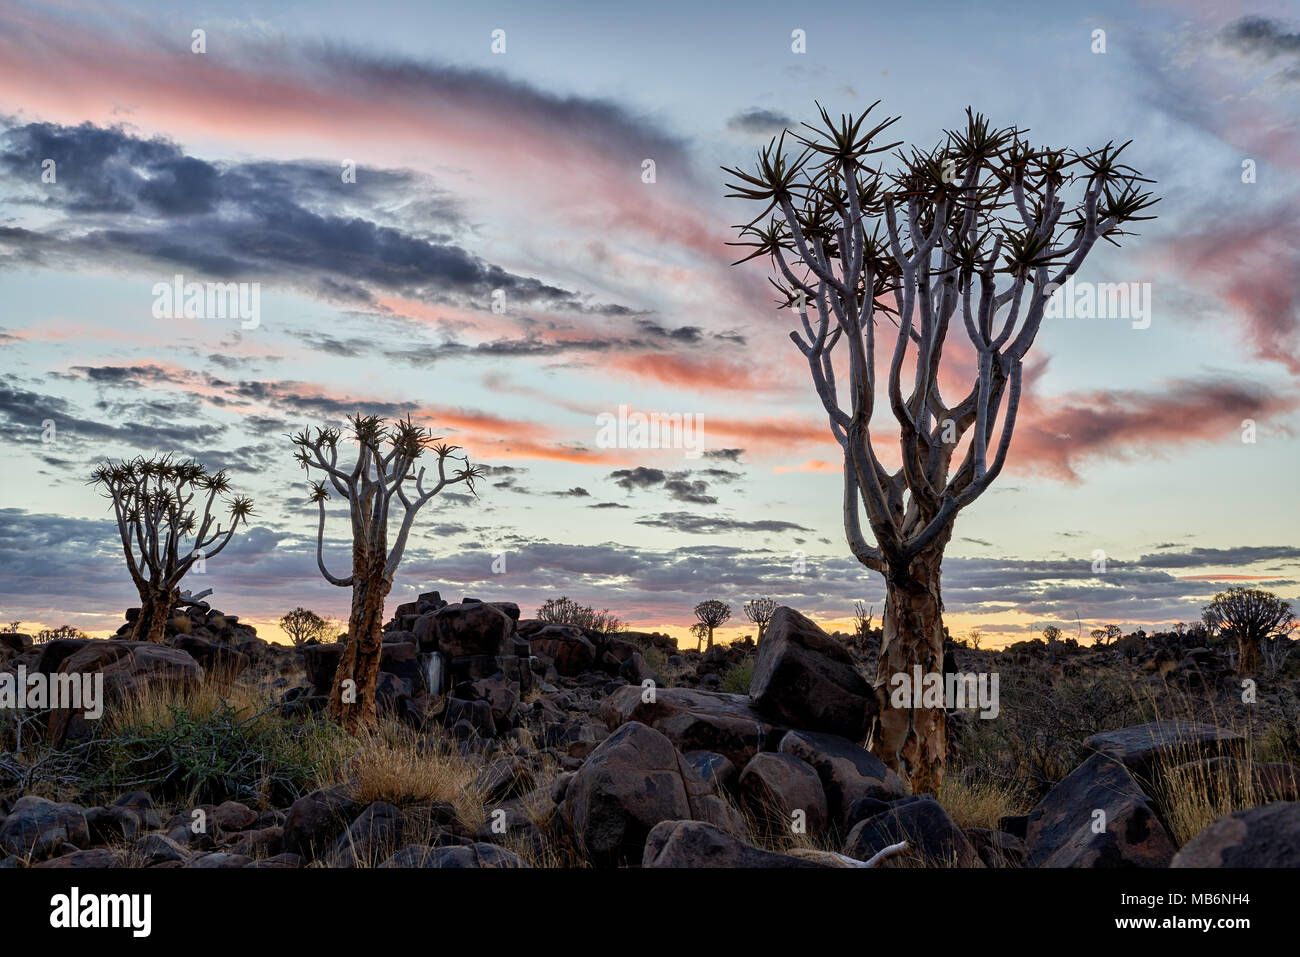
468,628
699,844
127,667
931,835
315,820
233,816
1266,836
847,771
781,792
630,783
565,647
1141,747
214,657
1066,830
713,768
97,859
997,848
398,658
370,838
805,679
471,855
32,816
697,720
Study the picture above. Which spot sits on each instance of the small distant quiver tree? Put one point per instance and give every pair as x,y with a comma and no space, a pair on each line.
974,235
161,503
388,466
759,611
712,613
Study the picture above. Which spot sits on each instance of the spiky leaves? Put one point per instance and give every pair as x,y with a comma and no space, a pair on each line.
980,229
168,513
389,467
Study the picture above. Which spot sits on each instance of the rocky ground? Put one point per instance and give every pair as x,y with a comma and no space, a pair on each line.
509,742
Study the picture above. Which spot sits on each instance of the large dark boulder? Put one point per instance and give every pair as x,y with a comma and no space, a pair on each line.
565,647
805,679
1266,836
33,818
696,720
931,836
216,658
478,855
848,771
699,844
631,782
316,820
128,667
1097,816
468,628
1141,748
782,791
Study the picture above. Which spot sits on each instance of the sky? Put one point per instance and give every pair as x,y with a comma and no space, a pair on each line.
500,269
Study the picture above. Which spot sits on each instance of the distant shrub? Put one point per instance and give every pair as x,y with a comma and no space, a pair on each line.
566,611
53,634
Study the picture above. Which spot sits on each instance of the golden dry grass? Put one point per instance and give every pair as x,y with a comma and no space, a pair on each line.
980,804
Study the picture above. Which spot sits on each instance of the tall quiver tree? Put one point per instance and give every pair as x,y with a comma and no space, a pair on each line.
978,230
157,503
388,467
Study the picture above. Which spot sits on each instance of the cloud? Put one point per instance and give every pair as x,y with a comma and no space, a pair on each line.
245,221
1058,435
760,121
1262,39
713,525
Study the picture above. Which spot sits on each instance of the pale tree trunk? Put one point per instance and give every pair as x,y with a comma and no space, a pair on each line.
913,740
352,699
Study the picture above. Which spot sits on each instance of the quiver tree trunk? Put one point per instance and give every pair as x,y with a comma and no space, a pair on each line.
156,607
912,740
352,699
1247,654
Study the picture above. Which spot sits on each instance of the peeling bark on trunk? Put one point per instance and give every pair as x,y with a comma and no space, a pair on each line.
155,611
912,740
352,699
1247,655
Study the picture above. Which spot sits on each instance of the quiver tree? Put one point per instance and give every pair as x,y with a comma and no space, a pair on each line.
302,624
711,614
160,504
977,233
759,611
1251,616
388,466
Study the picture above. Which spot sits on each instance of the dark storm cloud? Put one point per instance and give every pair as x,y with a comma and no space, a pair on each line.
255,220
